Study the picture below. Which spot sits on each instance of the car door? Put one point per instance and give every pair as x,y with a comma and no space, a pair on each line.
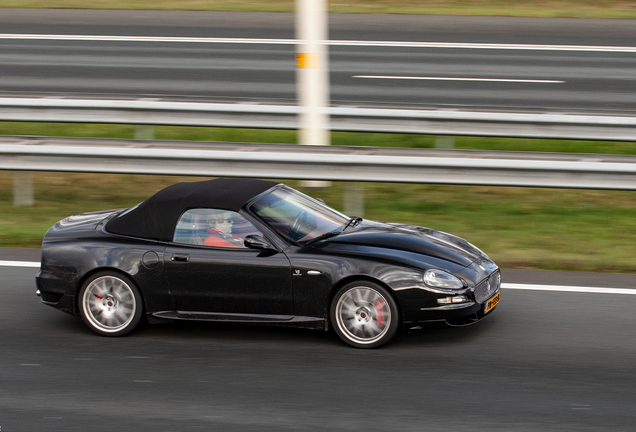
210,270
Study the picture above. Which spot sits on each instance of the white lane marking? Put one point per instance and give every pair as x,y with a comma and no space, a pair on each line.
577,289
258,41
522,47
510,80
108,38
19,264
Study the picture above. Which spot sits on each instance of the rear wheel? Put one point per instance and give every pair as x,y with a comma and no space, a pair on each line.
364,315
110,304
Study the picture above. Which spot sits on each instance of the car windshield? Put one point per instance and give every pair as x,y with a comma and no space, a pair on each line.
297,217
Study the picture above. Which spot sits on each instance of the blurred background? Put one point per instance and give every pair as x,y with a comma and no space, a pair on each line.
519,227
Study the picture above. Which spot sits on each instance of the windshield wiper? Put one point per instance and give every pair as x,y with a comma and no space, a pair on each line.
323,236
352,222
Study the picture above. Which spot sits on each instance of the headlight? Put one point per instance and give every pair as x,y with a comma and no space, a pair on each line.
441,279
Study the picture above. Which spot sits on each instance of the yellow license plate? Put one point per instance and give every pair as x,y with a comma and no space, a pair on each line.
492,303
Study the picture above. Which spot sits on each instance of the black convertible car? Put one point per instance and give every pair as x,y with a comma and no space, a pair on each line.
253,251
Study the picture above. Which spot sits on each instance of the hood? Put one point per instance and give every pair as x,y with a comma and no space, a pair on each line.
414,239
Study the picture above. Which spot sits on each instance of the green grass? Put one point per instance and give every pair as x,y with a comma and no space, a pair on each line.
543,8
518,227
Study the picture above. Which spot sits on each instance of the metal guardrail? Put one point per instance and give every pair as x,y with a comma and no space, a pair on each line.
360,164
355,119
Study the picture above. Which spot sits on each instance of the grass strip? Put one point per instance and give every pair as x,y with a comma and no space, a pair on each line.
550,229
545,8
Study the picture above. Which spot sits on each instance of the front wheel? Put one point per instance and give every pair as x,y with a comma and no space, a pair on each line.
110,304
364,315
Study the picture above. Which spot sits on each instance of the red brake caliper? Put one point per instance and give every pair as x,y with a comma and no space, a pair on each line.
380,313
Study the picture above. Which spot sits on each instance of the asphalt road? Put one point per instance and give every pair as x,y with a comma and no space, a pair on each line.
542,361
568,80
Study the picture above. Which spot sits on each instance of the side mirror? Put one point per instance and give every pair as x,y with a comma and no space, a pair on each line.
258,242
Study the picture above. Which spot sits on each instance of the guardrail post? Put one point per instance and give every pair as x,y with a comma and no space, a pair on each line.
354,199
144,132
445,142
23,189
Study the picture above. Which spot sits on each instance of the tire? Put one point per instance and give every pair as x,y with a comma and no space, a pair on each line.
110,304
364,315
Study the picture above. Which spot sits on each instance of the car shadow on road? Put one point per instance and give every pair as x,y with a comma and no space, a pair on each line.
197,332
233,332
439,333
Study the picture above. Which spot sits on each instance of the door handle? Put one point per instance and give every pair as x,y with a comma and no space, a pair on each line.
180,257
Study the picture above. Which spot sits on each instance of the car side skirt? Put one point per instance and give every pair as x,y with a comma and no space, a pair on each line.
282,320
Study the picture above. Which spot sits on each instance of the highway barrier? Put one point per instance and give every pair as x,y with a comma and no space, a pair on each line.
331,163
342,118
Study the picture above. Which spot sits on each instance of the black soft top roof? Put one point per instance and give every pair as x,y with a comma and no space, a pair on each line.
157,217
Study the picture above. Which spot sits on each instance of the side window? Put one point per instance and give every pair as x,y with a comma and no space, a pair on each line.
211,227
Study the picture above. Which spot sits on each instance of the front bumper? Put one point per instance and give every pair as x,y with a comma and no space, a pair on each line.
480,300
